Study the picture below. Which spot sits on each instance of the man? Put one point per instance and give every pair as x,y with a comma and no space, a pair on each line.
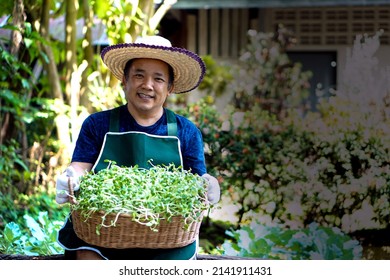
150,70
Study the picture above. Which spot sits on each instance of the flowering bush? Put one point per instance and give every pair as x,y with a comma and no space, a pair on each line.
298,171
331,167
266,77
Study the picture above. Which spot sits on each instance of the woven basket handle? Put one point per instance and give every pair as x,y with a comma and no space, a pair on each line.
72,198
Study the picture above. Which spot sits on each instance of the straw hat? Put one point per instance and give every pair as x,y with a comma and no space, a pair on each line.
188,67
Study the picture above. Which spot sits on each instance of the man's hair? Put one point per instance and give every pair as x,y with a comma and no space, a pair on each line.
130,62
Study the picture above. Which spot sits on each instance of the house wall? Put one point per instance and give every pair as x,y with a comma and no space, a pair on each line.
333,29
222,33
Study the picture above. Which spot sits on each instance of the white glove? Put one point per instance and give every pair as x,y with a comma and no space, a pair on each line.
62,185
213,189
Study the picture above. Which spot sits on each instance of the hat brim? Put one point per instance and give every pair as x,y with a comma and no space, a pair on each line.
188,68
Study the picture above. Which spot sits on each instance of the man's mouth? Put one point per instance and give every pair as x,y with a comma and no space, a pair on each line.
145,96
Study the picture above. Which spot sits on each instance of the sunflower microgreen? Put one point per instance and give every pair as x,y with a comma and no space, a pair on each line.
148,195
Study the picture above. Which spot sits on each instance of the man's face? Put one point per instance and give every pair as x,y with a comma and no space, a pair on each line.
146,86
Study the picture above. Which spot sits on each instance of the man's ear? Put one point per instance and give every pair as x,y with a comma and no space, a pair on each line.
170,89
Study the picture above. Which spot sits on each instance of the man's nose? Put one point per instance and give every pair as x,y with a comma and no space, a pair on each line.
148,82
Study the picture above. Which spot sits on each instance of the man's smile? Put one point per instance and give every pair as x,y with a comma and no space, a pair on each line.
145,96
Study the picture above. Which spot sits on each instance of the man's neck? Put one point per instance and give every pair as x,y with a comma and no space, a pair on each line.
146,118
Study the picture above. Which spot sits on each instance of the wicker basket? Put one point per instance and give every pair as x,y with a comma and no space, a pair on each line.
129,234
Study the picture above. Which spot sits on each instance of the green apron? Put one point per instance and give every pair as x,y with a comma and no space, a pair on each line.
137,148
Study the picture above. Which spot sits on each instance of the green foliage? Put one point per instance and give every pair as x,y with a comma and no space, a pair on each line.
29,224
14,84
105,97
16,73
25,121
217,77
123,19
40,238
12,209
6,7
207,119
274,242
12,167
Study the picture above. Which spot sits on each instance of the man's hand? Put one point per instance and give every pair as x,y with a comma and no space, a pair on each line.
68,179
213,190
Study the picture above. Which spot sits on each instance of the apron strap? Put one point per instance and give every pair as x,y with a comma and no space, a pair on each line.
114,120
171,121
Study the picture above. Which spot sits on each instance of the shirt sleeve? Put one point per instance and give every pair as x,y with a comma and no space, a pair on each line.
89,141
192,149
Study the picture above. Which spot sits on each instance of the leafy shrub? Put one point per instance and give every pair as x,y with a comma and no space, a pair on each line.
40,238
217,77
275,242
29,224
12,167
27,122
13,209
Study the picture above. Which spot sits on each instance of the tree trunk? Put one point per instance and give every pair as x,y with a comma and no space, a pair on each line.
61,121
88,53
50,67
70,45
72,79
18,19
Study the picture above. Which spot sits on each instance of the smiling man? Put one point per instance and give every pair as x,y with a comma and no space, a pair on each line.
137,132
